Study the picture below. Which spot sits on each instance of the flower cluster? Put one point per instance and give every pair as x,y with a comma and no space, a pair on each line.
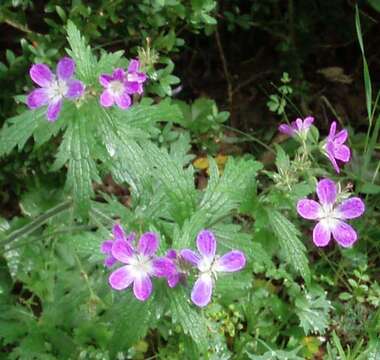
334,207
54,88
140,264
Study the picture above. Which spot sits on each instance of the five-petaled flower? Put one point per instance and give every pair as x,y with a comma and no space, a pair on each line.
106,246
54,88
140,265
209,264
330,214
335,148
298,127
120,85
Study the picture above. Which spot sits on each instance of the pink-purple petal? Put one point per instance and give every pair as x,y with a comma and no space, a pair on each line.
330,150
308,209
341,137
148,244
351,208
321,234
41,75
190,256
105,79
342,153
106,99
118,74
118,232
123,101
106,246
163,267
142,287
38,97
299,124
53,110
232,261
344,234
308,122
202,290
332,131
133,65
326,191
110,261
121,278
122,251
173,280
286,129
65,68
206,244
75,89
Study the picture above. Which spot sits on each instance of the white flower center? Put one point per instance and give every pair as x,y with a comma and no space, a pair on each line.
141,264
205,264
116,87
58,89
329,215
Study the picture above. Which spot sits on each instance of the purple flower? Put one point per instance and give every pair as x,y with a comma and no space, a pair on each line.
120,85
298,127
106,247
54,88
179,274
335,148
330,214
140,265
209,264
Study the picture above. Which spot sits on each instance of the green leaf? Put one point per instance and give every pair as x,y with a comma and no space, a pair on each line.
82,55
130,318
21,128
288,236
192,322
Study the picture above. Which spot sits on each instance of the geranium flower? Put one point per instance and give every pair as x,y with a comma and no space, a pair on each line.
116,90
54,88
106,246
140,265
331,215
335,148
209,265
298,127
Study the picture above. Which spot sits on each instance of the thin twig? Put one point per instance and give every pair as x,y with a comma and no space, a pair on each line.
225,70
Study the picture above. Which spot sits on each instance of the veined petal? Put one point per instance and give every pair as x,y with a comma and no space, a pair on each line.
342,153
136,77
341,137
122,251
123,101
206,244
232,261
351,208
65,68
132,87
326,191
106,99
332,131
110,261
38,97
308,122
148,244
321,234
202,290
330,151
106,246
286,129
142,287
190,256
75,89
173,280
118,74
121,278
41,74
53,110
118,232
163,267
308,209
344,234
105,79
134,65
